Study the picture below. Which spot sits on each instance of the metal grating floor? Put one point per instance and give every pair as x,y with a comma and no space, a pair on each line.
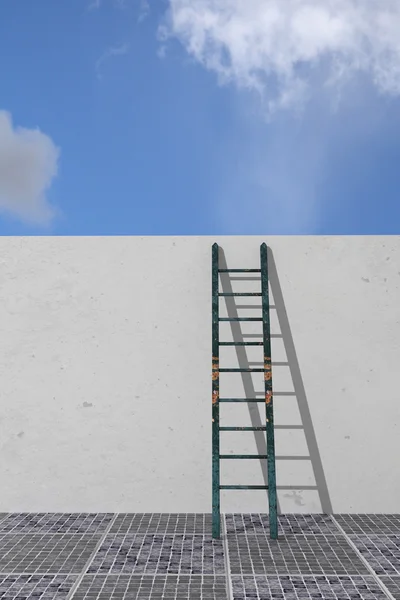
173,557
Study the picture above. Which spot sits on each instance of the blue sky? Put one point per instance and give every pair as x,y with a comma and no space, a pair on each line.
151,141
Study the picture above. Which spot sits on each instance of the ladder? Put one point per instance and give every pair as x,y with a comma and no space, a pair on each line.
216,400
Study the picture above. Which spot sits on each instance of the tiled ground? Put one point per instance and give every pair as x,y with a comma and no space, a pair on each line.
173,557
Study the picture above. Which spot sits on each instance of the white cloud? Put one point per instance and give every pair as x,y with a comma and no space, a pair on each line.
94,5
144,10
28,164
271,174
121,4
109,53
283,48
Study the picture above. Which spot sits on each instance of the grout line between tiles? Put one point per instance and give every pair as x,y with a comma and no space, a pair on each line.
191,575
289,535
86,533
297,574
91,557
226,558
42,533
364,560
131,575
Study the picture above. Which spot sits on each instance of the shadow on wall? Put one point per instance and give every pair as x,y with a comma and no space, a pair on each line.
293,364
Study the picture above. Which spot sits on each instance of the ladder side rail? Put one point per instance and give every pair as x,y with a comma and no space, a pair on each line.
269,409
216,503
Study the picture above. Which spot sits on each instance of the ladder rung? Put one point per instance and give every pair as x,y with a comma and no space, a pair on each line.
289,394
243,487
239,270
241,400
241,343
242,428
264,456
240,319
243,456
241,370
240,294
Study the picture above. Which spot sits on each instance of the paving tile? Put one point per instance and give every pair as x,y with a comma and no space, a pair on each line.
150,587
392,584
56,523
291,524
382,552
300,554
369,524
40,587
171,523
306,588
154,556
159,554
49,553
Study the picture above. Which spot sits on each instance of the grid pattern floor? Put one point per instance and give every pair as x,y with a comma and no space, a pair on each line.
107,556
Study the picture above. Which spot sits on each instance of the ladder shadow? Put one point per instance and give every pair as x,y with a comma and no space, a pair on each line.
296,376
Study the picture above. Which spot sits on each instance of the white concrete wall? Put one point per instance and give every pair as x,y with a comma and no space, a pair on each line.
105,358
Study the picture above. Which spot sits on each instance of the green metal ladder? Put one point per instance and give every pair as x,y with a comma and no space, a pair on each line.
216,400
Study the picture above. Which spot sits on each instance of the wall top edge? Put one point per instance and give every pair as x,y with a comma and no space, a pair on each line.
209,237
